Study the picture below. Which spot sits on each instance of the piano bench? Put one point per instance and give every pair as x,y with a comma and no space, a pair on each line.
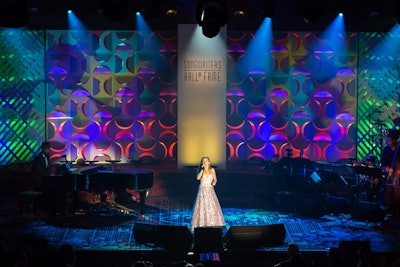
29,199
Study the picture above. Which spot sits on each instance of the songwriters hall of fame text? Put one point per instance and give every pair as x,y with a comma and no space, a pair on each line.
202,70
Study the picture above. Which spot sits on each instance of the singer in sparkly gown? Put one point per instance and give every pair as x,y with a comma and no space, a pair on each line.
207,211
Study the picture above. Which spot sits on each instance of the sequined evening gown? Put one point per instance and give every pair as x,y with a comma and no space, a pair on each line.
207,211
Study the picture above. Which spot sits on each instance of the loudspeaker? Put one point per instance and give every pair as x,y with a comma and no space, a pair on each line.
175,238
208,239
144,233
251,237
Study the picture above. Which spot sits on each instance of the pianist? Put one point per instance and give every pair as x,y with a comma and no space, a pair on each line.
41,167
53,195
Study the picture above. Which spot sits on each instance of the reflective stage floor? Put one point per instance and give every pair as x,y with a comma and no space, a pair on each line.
105,229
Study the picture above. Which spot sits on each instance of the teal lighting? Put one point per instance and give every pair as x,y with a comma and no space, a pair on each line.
257,57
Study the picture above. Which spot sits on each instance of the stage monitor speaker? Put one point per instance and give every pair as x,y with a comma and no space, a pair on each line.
144,233
208,239
251,237
174,238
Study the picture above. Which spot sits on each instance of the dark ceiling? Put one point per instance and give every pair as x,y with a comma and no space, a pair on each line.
360,15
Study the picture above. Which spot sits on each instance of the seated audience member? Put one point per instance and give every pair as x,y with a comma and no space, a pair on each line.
296,259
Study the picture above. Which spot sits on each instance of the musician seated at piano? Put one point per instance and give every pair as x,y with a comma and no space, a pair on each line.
41,167
41,174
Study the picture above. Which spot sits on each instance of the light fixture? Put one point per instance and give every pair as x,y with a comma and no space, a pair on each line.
156,9
170,9
239,13
239,8
171,12
211,15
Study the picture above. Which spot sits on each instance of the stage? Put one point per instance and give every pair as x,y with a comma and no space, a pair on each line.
250,195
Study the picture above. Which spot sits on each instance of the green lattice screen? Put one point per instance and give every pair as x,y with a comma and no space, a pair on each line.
378,91
22,95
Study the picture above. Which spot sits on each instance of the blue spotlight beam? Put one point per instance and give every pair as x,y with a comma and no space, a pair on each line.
334,33
74,23
257,57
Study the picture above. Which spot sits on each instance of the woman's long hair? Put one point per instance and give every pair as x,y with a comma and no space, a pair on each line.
201,163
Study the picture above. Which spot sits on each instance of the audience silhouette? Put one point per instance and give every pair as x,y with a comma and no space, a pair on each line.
296,259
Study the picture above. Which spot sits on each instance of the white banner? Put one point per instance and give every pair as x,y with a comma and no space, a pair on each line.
201,96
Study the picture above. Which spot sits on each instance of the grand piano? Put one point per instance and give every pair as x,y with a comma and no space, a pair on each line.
119,180
97,179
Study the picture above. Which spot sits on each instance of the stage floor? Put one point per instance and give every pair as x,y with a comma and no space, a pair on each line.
108,228
112,229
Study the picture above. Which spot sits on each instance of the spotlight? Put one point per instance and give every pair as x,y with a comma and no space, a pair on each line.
171,12
170,9
158,8
239,9
211,16
239,13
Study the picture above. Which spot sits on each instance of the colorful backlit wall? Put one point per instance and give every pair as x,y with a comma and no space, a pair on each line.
307,103
112,95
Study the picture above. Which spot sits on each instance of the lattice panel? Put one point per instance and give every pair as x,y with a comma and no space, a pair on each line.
307,103
379,92
112,95
22,95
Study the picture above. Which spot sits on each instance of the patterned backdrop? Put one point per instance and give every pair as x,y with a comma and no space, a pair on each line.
112,95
